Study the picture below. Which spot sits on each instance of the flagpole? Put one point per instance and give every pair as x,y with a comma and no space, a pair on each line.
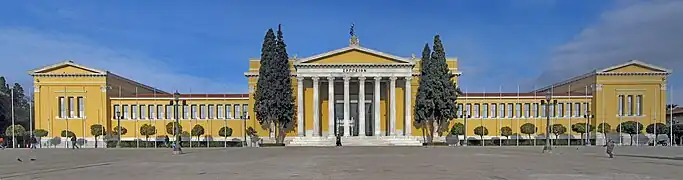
588,117
481,120
209,121
500,133
671,116
66,116
467,113
154,94
30,115
569,125
517,137
537,111
137,109
14,138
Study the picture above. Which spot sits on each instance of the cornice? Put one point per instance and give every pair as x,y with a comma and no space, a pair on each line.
352,65
632,73
69,75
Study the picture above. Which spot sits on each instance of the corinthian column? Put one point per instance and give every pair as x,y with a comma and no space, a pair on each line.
330,106
347,106
392,103
300,106
361,106
316,108
408,100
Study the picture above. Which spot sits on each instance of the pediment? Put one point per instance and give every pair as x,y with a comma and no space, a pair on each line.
66,68
635,66
354,55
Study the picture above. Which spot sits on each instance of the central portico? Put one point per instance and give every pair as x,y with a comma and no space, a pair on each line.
358,87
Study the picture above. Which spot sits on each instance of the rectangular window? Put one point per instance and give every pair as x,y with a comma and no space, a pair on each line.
151,113
220,109
143,111
620,105
245,110
460,110
238,111
169,112
202,112
125,112
535,110
211,111
585,108
72,109
577,109
228,111
518,110
193,111
552,110
160,112
639,103
501,112
485,113
510,115
476,111
133,111
527,110
117,108
493,111
568,110
560,110
468,109
62,108
543,110
629,105
81,107
186,112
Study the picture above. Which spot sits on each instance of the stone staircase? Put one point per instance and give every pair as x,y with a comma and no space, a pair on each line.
311,141
364,141
402,140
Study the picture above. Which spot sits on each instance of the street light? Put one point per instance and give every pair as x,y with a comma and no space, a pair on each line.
588,117
465,116
175,103
244,122
548,97
118,131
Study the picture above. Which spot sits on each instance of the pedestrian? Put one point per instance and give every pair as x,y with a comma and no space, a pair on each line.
34,142
73,143
2,142
166,141
610,148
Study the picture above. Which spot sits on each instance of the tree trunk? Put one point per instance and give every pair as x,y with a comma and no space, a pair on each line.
632,139
582,141
95,141
430,131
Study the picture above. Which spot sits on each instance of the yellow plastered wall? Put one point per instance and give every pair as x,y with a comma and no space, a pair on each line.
354,56
650,87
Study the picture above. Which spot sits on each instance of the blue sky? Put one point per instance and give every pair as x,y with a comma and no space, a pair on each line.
204,46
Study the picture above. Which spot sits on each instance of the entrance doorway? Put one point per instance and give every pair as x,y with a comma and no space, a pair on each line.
354,120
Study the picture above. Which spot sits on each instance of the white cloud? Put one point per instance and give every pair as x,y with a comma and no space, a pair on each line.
24,49
650,31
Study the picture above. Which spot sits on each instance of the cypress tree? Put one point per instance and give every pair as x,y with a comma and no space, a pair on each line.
436,93
283,86
265,93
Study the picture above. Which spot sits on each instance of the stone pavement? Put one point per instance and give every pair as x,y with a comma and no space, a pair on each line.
415,163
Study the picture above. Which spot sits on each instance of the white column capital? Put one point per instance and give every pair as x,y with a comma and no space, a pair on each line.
346,79
408,78
330,78
393,78
361,78
377,79
300,78
315,79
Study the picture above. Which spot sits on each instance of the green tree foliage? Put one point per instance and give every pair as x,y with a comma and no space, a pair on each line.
21,105
148,130
40,133
481,131
558,129
124,131
678,132
436,93
225,131
581,129
274,101
96,130
528,129
458,129
197,130
661,129
170,128
16,130
604,128
631,128
67,134
506,131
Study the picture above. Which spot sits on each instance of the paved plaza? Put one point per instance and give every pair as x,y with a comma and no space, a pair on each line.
345,163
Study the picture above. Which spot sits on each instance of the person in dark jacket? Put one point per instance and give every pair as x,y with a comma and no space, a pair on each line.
610,148
33,142
73,143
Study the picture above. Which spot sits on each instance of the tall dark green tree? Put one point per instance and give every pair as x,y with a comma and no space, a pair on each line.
436,97
4,104
274,101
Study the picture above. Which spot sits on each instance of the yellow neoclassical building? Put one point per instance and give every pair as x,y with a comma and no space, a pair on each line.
365,95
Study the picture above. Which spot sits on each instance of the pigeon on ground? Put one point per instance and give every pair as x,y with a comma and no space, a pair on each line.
18,159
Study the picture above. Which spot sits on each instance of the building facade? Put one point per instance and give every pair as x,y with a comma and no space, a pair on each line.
351,91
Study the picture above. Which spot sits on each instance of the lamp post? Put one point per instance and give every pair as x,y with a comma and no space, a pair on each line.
588,117
548,97
118,128
175,103
244,122
465,116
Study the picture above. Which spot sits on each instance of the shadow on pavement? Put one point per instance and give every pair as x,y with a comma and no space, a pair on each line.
651,157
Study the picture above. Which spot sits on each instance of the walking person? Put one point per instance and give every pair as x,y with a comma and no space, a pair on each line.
2,142
610,148
166,141
73,143
33,142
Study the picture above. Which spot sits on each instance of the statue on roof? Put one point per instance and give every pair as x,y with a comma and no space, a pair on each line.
354,39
